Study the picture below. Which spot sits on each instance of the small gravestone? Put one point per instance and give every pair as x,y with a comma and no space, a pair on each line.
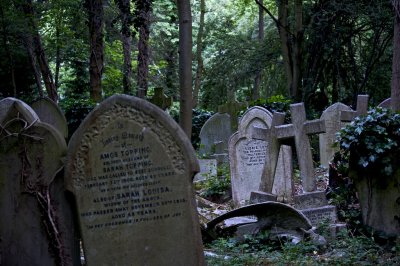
160,99
49,112
331,116
314,206
130,167
248,157
208,168
215,131
33,228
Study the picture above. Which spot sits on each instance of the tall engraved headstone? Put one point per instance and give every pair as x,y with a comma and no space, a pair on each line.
130,167
248,158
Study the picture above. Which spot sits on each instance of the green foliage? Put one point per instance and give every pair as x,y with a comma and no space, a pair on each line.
370,143
75,111
344,250
277,103
217,186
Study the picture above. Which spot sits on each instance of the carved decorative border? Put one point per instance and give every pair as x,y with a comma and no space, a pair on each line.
127,112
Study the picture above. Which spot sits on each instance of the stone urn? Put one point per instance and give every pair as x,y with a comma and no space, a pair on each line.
379,198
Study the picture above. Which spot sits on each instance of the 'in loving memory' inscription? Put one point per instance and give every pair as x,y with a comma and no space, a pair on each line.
131,181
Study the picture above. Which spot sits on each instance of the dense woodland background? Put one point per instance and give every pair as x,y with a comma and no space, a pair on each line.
78,52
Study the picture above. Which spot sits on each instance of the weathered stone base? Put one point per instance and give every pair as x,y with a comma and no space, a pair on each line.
321,214
260,196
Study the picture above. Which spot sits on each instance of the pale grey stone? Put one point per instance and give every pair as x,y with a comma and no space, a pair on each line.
362,108
385,104
331,116
216,129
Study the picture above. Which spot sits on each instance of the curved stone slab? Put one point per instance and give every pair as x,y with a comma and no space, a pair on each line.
130,167
276,213
49,112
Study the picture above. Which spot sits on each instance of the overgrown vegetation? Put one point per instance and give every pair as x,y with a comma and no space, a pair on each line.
371,143
347,249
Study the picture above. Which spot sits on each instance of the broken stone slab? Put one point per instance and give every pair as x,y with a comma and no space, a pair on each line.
260,196
278,217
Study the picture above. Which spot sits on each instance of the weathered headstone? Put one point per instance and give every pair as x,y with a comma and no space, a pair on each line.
362,108
216,129
130,167
208,168
160,99
49,112
33,228
331,116
248,157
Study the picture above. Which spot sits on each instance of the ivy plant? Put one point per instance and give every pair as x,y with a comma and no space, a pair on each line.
370,143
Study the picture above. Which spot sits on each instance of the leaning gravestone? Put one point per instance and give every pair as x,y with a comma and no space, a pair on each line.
331,116
49,112
33,230
130,167
247,157
216,130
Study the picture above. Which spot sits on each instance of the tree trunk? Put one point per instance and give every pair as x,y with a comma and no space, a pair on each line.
96,17
199,50
125,13
8,51
58,55
257,80
185,65
285,45
39,51
143,15
297,42
395,84
29,48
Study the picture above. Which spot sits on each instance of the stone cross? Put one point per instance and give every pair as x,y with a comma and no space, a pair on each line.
271,157
299,130
362,108
232,107
160,99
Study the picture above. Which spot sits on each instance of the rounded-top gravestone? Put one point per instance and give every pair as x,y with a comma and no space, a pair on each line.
130,167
